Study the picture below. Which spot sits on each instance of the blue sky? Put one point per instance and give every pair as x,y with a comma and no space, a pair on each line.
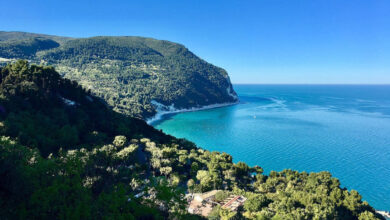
263,41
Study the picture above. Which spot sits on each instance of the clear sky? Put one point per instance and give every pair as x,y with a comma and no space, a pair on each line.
263,41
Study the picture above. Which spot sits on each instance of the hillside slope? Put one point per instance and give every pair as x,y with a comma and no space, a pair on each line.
18,35
65,155
133,74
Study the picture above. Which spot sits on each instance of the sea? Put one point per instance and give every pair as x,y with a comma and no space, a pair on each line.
343,129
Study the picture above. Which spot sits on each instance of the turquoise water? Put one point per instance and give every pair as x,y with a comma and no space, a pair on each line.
341,129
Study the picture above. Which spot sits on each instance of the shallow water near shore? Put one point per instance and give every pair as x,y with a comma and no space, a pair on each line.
343,129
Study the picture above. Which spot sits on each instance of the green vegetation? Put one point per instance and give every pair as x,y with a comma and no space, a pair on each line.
25,49
65,155
17,35
60,162
127,72
293,195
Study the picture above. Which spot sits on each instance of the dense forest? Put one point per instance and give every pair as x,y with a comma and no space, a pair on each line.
127,72
64,154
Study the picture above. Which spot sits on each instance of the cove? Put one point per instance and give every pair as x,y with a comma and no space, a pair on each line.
344,129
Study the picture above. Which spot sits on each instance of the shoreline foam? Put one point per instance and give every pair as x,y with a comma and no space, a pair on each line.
164,110
385,214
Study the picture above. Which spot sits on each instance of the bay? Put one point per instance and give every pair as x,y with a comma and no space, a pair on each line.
344,129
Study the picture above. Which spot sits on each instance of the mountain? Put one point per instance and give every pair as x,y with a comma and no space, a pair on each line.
17,35
135,75
64,154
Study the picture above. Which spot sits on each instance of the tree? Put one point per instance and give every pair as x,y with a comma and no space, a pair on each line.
170,197
205,180
190,185
175,179
367,216
120,141
255,203
221,195
165,171
194,168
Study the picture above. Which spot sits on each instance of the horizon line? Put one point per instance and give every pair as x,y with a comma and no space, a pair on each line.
325,84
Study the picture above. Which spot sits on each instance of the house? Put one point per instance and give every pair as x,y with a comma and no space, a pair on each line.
233,202
202,203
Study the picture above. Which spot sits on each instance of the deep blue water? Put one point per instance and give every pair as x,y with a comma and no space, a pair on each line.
339,128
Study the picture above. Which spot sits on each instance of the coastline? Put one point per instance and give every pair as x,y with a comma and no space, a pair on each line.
385,214
165,110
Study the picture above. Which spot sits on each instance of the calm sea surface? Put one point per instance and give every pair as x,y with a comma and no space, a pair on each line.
339,128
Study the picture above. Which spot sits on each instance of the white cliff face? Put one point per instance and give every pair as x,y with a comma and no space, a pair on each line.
230,93
68,102
162,109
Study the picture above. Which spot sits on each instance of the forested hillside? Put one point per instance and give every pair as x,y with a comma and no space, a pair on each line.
25,49
65,155
17,35
128,72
